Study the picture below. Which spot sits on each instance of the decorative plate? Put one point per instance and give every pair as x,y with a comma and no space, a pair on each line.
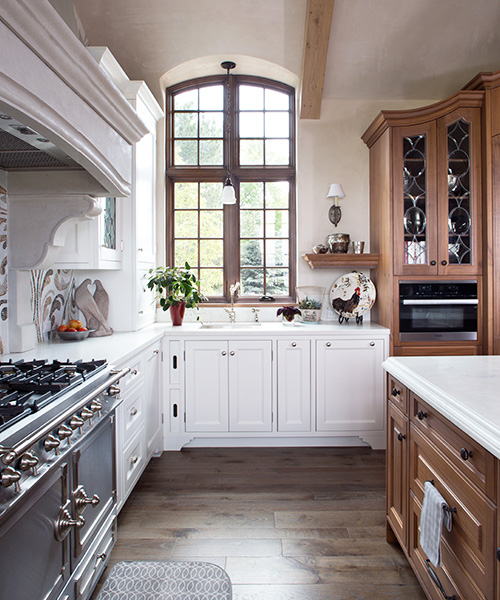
352,295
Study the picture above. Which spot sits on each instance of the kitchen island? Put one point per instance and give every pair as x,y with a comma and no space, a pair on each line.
443,426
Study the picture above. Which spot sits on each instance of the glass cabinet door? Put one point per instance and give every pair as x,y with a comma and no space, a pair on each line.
459,192
414,188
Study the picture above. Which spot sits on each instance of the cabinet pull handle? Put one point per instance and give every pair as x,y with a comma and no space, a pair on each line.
465,454
433,263
444,263
435,578
134,372
401,436
133,411
223,353
133,460
498,554
294,344
422,415
232,353
395,392
174,410
141,312
174,361
328,344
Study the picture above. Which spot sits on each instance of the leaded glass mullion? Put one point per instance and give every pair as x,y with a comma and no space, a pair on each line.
416,244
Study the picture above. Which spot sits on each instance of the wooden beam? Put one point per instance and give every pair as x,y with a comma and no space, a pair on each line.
317,35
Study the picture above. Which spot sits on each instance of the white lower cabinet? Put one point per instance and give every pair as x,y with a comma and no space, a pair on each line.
350,384
228,386
294,385
139,432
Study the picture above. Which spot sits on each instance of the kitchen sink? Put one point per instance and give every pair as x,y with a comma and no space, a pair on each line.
247,325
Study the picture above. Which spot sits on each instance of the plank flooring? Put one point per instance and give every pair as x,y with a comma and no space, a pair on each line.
285,523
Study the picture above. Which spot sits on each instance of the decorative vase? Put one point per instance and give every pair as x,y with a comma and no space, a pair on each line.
177,313
288,320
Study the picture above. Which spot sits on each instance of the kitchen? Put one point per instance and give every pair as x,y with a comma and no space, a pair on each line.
327,148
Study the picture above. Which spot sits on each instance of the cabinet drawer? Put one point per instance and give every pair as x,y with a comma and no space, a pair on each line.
470,458
134,461
471,540
134,377
132,414
456,582
397,393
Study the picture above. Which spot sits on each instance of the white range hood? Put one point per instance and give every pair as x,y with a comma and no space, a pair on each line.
51,84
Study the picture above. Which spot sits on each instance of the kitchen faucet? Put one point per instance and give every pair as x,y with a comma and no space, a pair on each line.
230,311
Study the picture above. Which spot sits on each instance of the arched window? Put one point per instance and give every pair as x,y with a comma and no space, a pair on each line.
253,241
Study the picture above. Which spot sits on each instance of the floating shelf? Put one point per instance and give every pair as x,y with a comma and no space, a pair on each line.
332,261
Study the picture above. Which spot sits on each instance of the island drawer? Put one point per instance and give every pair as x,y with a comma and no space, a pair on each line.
397,393
469,457
471,540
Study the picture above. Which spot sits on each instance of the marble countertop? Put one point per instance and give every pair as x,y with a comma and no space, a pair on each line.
464,389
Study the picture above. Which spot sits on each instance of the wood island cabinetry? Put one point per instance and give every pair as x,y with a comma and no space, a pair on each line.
422,445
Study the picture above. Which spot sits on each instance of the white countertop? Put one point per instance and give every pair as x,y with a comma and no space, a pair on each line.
464,389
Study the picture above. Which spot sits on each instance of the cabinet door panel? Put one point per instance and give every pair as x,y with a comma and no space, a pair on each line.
397,472
250,386
153,405
294,385
206,386
350,385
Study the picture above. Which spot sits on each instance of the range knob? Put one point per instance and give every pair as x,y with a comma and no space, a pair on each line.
64,432
11,476
87,414
76,423
51,443
96,406
29,461
113,390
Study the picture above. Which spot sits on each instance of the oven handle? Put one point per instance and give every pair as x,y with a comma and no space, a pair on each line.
11,454
438,302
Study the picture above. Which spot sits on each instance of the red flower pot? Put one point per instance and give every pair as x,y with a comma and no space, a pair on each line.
177,313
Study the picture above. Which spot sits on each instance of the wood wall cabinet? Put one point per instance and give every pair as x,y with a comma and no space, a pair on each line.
425,190
464,473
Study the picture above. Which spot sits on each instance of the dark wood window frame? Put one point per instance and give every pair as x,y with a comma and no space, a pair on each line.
238,174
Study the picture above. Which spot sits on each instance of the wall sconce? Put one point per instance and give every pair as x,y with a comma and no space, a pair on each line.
335,213
228,195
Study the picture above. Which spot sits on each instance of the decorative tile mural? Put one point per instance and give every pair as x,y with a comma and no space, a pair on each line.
4,288
52,300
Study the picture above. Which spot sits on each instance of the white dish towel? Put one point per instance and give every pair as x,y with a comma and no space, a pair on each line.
435,514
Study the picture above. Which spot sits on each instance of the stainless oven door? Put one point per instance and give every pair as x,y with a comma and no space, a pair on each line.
438,319
33,563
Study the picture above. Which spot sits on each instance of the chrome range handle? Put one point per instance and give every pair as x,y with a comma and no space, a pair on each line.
81,499
440,301
65,522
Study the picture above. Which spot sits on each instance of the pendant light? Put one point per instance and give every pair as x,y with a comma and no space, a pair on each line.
228,195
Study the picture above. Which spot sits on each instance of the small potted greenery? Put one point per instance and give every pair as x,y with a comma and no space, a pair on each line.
288,313
176,289
310,301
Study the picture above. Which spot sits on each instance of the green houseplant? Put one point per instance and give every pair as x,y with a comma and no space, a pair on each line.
176,289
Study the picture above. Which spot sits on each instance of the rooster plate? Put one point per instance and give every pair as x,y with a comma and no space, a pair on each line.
352,295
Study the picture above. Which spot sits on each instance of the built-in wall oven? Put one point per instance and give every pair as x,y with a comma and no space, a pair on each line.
438,311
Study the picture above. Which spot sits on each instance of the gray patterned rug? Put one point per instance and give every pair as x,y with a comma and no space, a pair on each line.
171,580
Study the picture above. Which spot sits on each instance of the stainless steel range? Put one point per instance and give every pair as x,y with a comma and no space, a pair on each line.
57,475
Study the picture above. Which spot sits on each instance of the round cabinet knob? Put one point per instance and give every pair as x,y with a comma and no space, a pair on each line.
232,353
133,411
223,353
64,432
465,454
28,461
372,344
328,344
401,437
294,344
395,392
433,263
155,352
444,263
421,415
51,443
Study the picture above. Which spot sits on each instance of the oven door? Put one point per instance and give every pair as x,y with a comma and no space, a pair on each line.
33,563
437,319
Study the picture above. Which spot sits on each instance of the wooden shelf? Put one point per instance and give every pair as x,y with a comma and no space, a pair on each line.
332,261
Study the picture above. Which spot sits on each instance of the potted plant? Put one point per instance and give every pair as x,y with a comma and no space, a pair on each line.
288,313
310,301
176,289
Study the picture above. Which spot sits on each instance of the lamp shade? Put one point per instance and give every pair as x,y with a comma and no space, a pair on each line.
335,191
228,195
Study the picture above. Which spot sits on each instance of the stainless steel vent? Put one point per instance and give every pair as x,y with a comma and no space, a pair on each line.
21,147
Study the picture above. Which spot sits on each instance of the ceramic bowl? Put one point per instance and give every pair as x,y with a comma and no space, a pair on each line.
338,242
74,336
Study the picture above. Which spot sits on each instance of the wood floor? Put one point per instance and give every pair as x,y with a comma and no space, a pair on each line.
286,524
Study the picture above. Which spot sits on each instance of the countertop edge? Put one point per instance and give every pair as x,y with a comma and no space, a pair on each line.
471,422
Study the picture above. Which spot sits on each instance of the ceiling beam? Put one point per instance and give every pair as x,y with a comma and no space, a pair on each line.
317,35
